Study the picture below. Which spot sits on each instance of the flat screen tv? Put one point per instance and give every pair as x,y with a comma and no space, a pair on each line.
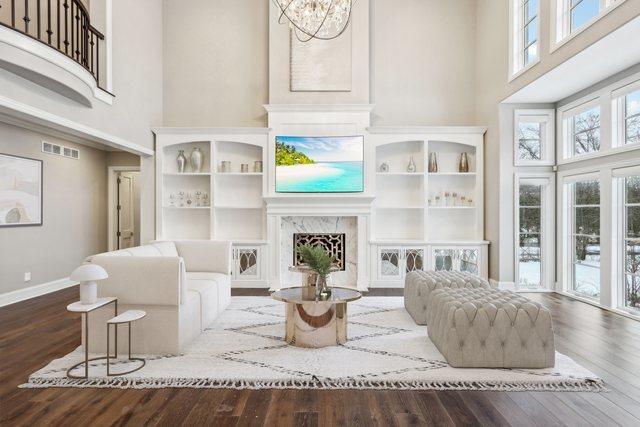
314,164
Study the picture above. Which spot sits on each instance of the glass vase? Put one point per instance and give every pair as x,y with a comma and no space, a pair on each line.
323,287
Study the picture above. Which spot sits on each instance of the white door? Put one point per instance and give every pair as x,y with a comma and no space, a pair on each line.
125,207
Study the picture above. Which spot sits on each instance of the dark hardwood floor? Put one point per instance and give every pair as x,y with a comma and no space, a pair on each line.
35,331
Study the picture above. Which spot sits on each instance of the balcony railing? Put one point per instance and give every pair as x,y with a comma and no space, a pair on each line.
64,25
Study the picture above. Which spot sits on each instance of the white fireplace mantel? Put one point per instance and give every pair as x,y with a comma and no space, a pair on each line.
280,207
318,205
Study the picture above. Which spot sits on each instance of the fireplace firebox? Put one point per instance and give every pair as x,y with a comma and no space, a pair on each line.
334,243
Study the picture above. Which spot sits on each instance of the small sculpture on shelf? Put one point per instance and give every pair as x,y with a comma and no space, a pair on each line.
384,167
411,167
197,159
225,166
257,166
182,161
463,166
433,163
244,168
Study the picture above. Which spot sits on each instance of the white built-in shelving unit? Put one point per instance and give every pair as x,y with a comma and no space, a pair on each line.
410,230
398,229
405,206
235,210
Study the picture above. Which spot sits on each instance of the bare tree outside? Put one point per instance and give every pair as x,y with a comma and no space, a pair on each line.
530,224
586,131
586,238
632,241
529,144
632,118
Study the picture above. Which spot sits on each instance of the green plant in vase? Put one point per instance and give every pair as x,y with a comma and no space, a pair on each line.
320,261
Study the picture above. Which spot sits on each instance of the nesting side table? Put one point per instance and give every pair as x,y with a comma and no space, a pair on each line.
85,309
126,317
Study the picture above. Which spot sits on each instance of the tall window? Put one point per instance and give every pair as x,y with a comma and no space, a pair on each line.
632,243
572,16
525,33
585,238
534,137
581,12
530,140
530,234
585,131
632,118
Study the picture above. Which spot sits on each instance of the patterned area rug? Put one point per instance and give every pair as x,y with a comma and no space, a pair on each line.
244,348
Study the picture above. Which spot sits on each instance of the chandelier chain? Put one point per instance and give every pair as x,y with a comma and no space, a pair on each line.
316,19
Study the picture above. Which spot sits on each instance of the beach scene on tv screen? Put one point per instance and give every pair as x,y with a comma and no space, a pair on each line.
319,164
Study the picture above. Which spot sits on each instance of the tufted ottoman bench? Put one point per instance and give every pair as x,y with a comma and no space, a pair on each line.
419,284
489,328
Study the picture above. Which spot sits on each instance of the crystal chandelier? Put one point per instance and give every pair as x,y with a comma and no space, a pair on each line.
316,19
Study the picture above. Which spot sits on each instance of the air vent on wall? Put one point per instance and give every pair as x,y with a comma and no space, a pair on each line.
59,150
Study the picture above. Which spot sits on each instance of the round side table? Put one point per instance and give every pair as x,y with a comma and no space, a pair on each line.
126,317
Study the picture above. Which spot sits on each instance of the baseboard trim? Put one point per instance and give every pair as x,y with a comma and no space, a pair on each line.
35,291
507,286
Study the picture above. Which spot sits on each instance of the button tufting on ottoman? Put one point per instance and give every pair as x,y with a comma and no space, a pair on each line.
489,328
419,284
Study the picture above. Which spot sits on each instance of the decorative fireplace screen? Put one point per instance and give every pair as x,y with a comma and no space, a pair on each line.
331,242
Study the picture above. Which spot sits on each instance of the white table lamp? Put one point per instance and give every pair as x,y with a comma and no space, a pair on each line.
87,274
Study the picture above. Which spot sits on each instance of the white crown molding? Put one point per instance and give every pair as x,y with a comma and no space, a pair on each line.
35,116
474,130
292,108
210,130
35,291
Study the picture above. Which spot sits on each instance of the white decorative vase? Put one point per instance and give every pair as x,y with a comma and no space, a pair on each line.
88,292
411,167
197,158
182,161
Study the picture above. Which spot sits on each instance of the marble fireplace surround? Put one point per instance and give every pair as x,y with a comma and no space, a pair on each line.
351,216
320,224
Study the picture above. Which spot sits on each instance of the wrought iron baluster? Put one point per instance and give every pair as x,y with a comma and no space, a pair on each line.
71,30
77,34
66,27
26,16
98,62
38,18
13,13
49,32
91,52
58,32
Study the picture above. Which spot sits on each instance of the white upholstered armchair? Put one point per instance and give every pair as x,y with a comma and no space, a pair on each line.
182,285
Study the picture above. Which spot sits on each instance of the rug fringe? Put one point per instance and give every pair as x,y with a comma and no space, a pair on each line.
587,385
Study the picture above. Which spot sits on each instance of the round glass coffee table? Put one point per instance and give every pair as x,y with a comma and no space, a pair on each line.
314,323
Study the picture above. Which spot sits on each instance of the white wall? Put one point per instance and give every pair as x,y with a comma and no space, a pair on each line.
74,213
215,62
423,62
216,58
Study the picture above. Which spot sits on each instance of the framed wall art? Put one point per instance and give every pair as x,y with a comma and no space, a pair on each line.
20,191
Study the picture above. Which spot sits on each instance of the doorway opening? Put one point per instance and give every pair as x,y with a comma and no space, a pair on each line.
124,207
